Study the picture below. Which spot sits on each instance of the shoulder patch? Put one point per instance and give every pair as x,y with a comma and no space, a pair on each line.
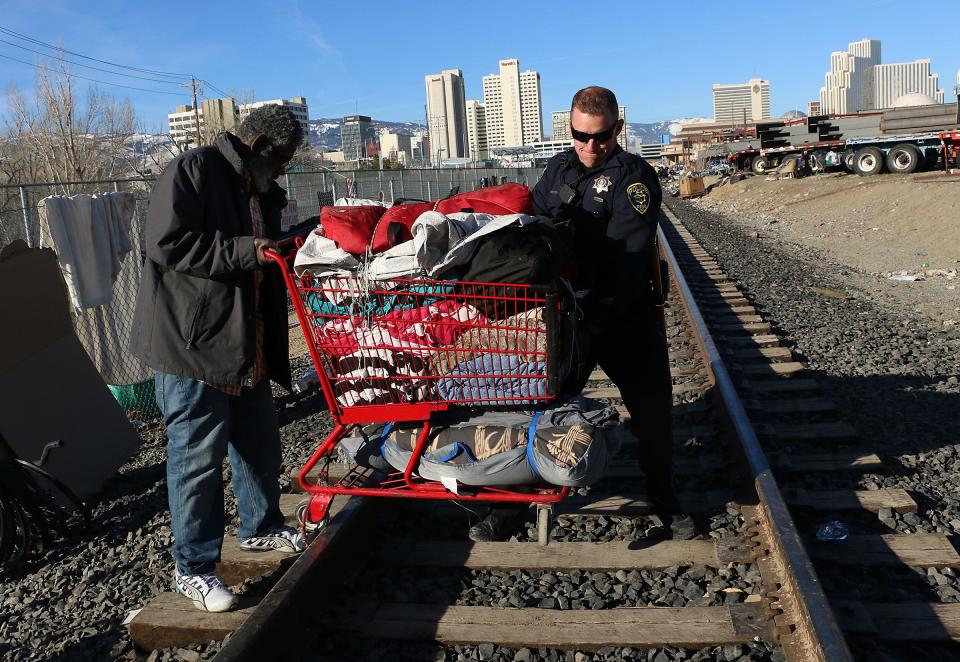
639,196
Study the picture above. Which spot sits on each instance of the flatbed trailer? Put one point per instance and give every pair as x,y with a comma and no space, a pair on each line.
897,152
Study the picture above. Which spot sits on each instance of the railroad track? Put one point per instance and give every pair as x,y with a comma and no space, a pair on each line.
385,575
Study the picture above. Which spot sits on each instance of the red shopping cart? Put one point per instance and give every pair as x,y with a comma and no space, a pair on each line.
406,350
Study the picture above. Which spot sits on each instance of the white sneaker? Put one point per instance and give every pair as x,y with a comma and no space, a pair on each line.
282,539
207,592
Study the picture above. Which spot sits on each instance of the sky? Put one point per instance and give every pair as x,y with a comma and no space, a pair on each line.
660,58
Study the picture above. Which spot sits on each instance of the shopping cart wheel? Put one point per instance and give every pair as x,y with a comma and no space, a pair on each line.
544,522
312,514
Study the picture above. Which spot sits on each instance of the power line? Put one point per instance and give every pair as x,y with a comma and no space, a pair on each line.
102,82
92,59
214,87
88,66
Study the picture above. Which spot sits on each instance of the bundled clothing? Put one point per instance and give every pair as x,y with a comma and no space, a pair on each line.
495,379
523,335
567,444
418,331
382,376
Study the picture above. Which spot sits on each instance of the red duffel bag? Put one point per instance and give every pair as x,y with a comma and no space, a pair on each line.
352,227
499,200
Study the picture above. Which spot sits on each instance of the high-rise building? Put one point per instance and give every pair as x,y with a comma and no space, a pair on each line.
888,82
477,129
742,101
297,105
183,126
512,105
218,115
858,81
561,126
447,115
420,148
813,108
356,137
845,85
395,147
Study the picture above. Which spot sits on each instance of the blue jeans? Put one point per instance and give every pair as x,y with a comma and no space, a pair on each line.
205,424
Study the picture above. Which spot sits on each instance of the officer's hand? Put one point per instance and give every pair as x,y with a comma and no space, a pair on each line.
261,244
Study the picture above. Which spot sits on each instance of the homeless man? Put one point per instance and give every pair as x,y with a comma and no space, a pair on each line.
211,319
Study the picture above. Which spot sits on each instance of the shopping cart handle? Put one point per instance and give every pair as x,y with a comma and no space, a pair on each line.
273,255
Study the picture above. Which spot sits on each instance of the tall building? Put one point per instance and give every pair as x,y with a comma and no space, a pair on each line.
888,82
858,81
477,129
297,105
561,126
356,137
218,115
420,148
813,108
742,101
447,115
845,85
512,106
183,126
395,147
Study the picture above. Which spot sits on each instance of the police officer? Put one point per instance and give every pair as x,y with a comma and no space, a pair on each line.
611,202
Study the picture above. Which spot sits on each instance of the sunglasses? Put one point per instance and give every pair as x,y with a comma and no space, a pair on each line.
600,136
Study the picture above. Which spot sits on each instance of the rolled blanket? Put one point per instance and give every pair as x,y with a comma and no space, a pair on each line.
495,379
523,335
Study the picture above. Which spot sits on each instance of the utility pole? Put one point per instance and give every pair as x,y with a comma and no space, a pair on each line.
196,109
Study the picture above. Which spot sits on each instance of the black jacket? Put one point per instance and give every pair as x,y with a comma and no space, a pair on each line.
195,309
614,215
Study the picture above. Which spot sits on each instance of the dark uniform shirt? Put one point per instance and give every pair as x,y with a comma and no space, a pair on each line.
613,218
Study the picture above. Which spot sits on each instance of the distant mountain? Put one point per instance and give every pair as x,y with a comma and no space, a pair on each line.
324,133
646,132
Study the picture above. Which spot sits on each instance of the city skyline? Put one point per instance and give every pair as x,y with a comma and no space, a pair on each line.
656,78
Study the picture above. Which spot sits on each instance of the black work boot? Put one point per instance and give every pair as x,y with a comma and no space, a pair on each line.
503,521
677,524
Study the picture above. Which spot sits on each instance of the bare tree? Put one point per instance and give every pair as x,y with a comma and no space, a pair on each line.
71,138
157,150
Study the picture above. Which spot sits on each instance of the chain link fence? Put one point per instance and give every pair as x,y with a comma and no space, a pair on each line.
105,331
392,185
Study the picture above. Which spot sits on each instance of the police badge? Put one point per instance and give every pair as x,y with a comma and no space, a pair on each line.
602,184
639,196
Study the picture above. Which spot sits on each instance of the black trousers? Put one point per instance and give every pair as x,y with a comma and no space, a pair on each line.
632,350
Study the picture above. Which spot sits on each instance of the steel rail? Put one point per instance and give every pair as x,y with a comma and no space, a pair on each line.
251,639
825,640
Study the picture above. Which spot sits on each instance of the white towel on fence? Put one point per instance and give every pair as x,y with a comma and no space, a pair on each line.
91,235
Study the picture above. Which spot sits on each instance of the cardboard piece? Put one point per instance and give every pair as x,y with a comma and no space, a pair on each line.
49,388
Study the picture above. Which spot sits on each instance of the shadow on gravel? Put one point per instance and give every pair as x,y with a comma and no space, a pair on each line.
296,406
912,414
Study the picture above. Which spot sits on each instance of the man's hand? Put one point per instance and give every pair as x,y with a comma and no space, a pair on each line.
261,244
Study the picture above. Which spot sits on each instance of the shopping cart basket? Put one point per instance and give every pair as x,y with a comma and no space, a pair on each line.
405,350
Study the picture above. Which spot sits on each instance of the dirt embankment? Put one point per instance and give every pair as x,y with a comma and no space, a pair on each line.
880,228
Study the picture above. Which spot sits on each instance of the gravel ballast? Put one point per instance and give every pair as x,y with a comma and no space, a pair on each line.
69,604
